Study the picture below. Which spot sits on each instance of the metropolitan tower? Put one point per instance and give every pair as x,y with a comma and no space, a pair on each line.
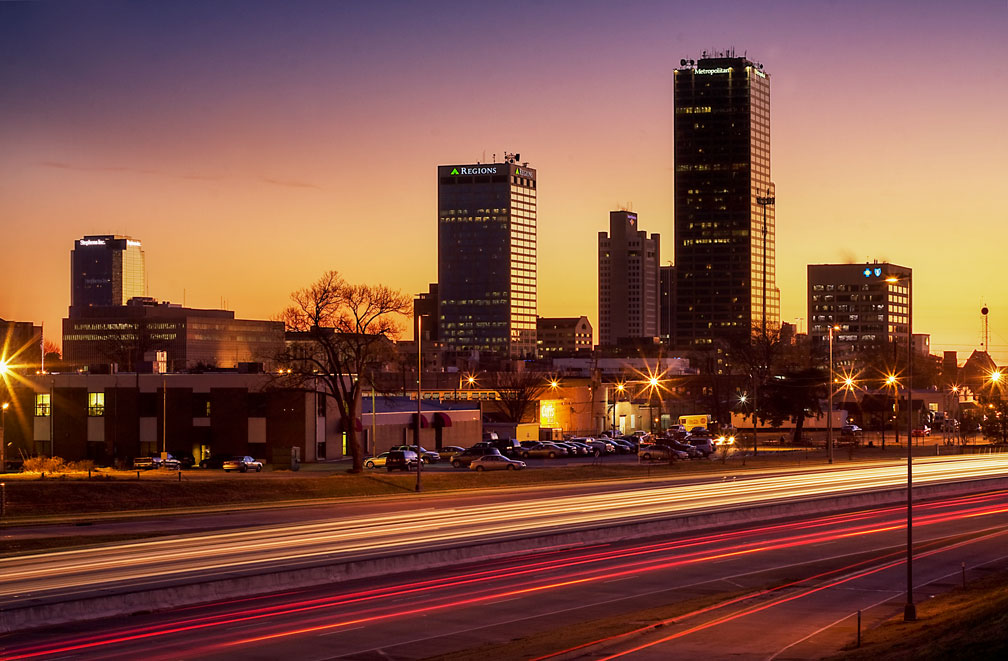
724,214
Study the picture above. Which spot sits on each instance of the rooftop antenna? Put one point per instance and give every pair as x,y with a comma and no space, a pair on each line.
986,330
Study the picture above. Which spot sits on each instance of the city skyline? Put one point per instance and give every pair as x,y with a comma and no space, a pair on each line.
251,147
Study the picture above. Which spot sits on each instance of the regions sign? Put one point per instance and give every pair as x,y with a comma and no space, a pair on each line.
470,169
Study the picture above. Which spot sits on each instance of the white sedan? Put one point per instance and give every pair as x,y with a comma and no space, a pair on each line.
495,462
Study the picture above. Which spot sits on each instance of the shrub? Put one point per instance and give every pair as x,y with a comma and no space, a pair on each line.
43,465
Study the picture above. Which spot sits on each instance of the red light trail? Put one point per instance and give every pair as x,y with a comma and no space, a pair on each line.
521,577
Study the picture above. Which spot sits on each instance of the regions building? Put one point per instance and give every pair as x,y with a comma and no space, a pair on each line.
106,270
868,303
563,336
487,258
112,338
724,216
628,281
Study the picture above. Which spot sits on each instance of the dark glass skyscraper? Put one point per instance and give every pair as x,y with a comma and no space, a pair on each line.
105,270
724,251
487,258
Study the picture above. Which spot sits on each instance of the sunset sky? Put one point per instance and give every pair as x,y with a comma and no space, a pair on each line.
252,146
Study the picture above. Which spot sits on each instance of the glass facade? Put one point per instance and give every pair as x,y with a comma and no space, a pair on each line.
487,258
724,251
106,270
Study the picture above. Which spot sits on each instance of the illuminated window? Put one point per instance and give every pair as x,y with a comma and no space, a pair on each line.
96,404
42,402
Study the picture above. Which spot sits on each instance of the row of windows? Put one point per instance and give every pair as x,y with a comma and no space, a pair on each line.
96,405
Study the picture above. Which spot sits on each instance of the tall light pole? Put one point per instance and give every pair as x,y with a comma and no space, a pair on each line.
829,412
909,610
764,201
419,414
3,438
619,391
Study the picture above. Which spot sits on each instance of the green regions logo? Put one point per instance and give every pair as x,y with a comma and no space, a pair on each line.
473,170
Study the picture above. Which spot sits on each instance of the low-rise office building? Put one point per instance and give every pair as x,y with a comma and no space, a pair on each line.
113,418
119,337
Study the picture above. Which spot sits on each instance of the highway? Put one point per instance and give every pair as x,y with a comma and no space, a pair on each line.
786,590
414,526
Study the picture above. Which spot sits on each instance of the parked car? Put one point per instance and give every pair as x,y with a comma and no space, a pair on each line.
146,463
652,451
572,450
584,449
428,456
550,450
403,460
623,447
214,461
677,432
242,464
850,431
448,452
690,451
463,459
491,462
509,447
704,445
603,447
487,446
922,431
376,462
634,441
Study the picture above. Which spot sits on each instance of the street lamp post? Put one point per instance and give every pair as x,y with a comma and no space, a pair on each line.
909,610
419,400
829,411
619,391
3,438
764,201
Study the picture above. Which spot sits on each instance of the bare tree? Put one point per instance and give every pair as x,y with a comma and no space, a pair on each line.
344,331
756,356
518,392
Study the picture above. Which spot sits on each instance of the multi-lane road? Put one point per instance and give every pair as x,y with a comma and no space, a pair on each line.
406,526
785,590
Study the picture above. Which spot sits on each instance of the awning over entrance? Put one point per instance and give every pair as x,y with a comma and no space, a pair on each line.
442,419
424,422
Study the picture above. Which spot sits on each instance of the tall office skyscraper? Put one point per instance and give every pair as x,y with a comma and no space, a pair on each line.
724,251
628,281
487,258
105,270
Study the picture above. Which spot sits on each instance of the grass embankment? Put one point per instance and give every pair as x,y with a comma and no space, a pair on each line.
69,495
73,494
962,624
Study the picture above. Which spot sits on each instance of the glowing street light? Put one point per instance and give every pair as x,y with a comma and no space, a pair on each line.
909,610
3,438
620,388
829,411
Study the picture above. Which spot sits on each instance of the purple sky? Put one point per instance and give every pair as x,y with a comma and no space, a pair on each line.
251,146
